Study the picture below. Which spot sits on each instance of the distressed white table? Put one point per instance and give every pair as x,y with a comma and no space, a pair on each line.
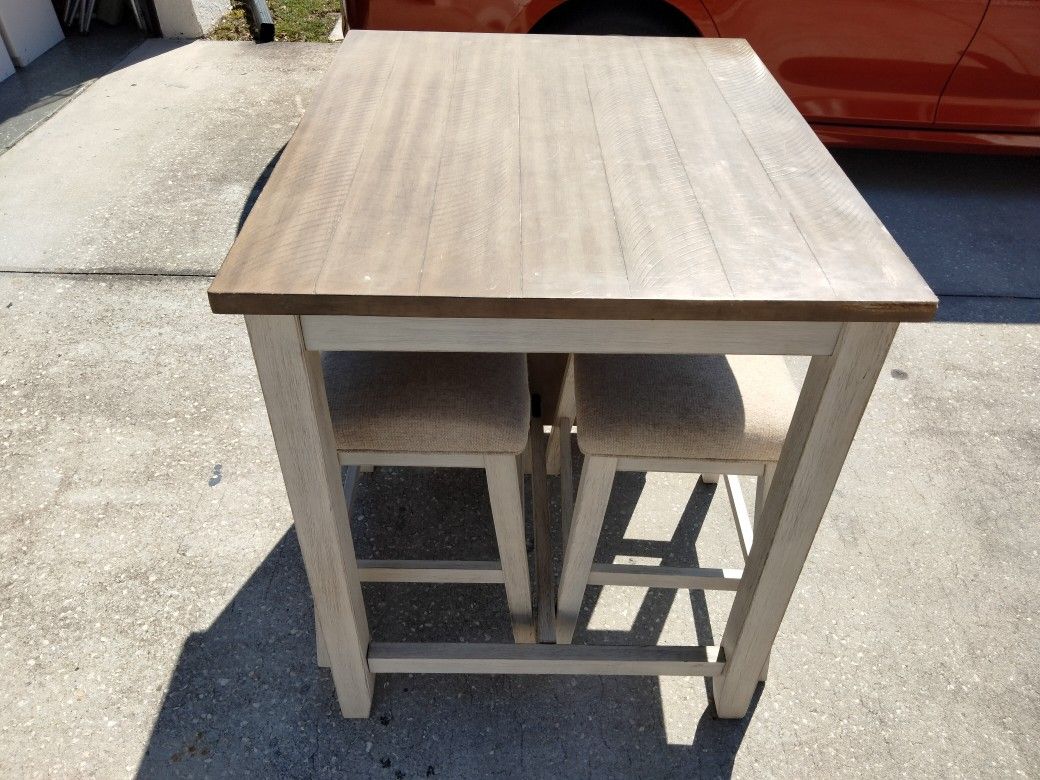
562,194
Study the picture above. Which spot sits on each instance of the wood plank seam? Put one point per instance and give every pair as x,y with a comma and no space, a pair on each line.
550,121
686,173
717,153
769,174
606,175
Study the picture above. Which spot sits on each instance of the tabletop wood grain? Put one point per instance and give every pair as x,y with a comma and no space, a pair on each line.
475,175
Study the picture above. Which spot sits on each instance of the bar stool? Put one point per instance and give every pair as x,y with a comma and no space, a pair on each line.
464,410
708,414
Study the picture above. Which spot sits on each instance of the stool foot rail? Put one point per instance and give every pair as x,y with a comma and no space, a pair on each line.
458,658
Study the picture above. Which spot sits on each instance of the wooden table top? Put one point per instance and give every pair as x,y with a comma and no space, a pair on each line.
475,175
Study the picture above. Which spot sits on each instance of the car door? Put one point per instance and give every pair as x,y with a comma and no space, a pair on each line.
856,61
997,83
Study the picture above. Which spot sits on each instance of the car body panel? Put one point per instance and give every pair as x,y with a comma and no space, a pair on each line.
928,140
997,83
448,16
884,73
479,15
879,61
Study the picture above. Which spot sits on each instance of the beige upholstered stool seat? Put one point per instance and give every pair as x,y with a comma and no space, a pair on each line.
428,402
732,407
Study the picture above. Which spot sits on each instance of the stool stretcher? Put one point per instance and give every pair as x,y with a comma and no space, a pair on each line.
460,658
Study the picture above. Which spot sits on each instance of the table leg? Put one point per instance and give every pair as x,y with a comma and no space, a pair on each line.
294,392
833,398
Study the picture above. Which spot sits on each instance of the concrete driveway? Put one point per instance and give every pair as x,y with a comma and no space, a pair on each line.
155,618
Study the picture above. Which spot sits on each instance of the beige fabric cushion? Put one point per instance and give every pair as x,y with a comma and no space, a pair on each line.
428,402
735,407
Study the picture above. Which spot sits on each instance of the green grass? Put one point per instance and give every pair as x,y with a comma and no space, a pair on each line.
294,20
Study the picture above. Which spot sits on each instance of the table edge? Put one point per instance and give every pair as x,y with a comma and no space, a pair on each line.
922,310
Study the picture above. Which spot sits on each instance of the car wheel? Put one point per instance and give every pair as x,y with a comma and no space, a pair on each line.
596,17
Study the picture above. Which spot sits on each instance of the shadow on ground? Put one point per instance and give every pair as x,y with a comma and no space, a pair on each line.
247,698
257,188
35,92
970,223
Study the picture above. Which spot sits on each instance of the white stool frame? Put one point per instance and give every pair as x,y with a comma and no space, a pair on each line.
582,529
505,490
846,360
590,508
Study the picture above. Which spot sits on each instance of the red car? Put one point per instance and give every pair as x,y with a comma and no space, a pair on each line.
956,75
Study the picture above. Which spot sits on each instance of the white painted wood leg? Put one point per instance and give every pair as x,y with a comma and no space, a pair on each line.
319,643
350,479
832,401
523,463
566,478
294,392
597,478
505,488
710,479
762,484
745,530
545,585
564,409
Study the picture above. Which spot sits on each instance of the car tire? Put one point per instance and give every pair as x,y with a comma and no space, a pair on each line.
582,17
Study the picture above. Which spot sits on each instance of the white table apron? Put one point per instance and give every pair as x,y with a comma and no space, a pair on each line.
846,360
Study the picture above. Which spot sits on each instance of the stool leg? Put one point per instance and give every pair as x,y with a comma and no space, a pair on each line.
597,478
561,427
505,489
761,491
566,478
710,479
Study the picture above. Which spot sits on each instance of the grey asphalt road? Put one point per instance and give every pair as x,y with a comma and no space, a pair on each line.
971,224
155,616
